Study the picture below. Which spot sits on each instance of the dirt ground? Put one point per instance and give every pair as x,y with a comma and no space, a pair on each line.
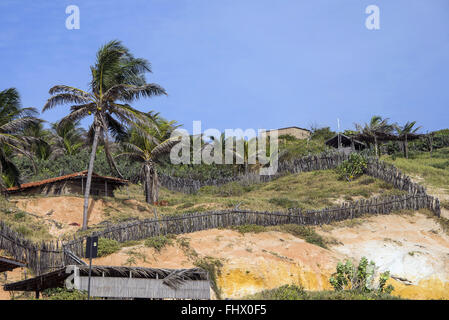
412,247
12,276
251,262
63,209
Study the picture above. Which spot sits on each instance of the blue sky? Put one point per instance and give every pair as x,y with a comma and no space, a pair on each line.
244,63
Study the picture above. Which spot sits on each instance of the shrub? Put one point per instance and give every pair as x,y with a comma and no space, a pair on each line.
19,215
352,168
158,242
304,232
285,292
441,165
360,278
107,246
213,267
287,137
284,202
64,294
294,292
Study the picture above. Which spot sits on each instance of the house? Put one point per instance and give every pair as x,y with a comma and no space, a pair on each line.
345,143
74,183
297,132
121,282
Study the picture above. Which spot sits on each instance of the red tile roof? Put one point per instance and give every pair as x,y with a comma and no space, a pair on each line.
66,177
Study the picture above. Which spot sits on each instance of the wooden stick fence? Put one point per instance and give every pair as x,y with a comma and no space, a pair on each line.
324,161
192,222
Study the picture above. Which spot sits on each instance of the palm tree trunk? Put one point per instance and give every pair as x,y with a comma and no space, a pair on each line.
376,147
89,175
155,187
147,184
406,147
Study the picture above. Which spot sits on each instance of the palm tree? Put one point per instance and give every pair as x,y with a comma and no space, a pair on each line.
374,128
40,147
148,148
403,132
118,78
67,138
13,120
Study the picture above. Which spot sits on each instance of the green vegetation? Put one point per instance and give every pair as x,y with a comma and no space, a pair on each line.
307,191
249,228
304,232
349,282
29,226
147,145
433,169
352,168
159,242
228,190
290,149
107,246
69,163
13,140
376,127
307,233
213,267
294,292
322,134
284,202
360,278
64,294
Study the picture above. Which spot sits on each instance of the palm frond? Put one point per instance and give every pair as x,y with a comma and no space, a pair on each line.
65,98
165,146
19,124
129,93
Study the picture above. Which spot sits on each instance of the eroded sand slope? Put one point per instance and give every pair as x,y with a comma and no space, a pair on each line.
412,247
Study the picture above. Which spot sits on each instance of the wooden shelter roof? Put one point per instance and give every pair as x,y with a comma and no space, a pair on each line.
8,264
386,137
345,139
292,127
171,277
75,175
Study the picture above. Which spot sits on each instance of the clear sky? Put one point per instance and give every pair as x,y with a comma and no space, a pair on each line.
244,63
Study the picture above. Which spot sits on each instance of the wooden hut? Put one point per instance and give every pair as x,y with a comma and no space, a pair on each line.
345,143
74,183
123,282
